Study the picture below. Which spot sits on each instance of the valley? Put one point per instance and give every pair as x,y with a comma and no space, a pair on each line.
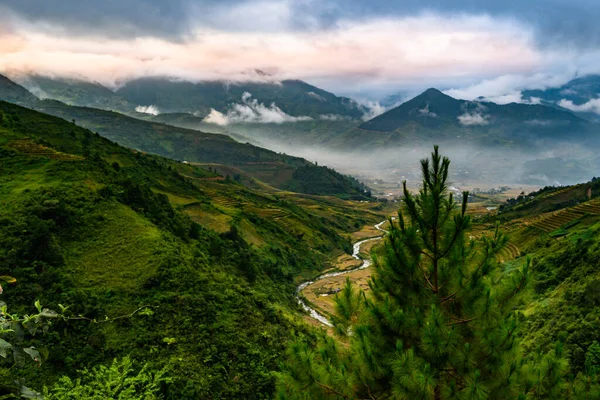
226,251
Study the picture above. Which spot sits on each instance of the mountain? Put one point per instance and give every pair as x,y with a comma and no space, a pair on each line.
105,231
77,92
293,97
576,95
14,93
434,110
522,143
277,170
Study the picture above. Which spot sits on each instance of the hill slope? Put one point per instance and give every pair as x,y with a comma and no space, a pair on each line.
14,93
278,170
105,230
559,229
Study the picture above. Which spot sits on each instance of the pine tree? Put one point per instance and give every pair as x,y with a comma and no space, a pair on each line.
439,321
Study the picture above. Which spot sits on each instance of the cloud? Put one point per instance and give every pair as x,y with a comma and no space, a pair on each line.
474,48
253,112
571,23
153,110
592,105
216,117
426,113
472,119
107,19
435,46
373,109
334,117
540,122
316,96
507,88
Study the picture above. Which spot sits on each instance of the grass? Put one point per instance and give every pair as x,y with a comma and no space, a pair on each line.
119,254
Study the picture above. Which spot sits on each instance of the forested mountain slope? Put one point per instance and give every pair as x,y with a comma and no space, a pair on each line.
277,170
105,231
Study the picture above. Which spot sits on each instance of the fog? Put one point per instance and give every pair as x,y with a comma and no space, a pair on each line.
553,164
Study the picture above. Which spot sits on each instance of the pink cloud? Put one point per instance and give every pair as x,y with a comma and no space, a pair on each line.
377,50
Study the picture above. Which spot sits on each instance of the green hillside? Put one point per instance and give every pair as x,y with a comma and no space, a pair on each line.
277,170
559,229
105,230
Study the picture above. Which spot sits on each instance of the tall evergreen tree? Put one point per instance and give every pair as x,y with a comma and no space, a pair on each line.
439,321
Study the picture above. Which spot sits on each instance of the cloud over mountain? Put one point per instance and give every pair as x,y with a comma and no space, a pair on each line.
253,112
591,106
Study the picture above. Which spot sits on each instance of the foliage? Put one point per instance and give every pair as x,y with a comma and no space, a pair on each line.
13,330
191,145
440,320
218,306
120,380
326,181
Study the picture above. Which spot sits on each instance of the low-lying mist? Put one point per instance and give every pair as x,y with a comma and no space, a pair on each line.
472,165
552,162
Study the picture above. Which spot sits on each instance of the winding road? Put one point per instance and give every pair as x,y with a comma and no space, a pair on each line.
365,264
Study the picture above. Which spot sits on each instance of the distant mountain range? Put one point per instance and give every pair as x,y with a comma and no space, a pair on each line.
300,119
580,95
294,97
258,164
155,95
434,110
76,92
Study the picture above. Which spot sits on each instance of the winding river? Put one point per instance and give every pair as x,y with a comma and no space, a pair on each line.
355,253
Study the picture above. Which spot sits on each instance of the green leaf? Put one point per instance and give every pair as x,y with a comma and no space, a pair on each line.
38,305
5,348
33,353
28,393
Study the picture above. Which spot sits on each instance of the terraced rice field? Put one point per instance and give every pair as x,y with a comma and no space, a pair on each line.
30,148
509,252
553,221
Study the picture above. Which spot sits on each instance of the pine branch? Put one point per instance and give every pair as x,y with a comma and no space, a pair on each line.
427,279
460,322
449,297
514,293
332,390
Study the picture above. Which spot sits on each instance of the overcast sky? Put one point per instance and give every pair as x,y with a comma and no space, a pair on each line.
352,47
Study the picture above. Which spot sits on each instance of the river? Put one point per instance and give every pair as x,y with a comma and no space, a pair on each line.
355,253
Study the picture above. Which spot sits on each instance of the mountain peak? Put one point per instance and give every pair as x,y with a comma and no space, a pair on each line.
433,94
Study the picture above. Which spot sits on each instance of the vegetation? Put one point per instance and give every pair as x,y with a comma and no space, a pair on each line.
175,281
105,231
275,169
440,321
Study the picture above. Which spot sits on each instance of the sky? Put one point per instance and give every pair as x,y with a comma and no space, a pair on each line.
363,49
